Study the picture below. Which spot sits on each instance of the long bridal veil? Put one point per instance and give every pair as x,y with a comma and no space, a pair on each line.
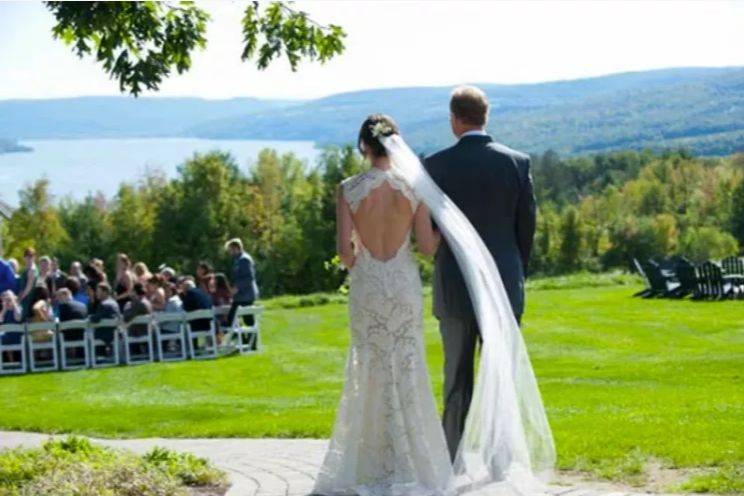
507,447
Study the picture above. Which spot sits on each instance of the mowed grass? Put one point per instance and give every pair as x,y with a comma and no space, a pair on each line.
625,381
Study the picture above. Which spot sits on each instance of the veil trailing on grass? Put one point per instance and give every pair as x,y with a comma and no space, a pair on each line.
507,446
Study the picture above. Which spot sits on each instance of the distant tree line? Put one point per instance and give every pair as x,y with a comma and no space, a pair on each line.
595,213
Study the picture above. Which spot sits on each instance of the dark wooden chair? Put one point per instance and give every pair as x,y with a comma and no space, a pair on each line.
711,283
733,272
647,291
660,283
687,277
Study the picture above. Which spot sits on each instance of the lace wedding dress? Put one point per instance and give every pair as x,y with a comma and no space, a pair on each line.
387,439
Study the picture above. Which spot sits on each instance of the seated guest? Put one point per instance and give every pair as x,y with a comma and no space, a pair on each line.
222,295
78,293
194,298
139,305
10,313
7,276
155,293
69,309
40,305
41,311
141,272
220,290
204,274
173,305
244,279
95,277
105,308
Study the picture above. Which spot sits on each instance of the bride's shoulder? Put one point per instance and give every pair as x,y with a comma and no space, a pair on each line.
355,181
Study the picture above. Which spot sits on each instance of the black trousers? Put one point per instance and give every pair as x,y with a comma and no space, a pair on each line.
248,320
460,337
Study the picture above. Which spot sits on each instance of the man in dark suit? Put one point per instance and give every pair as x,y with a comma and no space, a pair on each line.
106,308
139,305
68,308
492,185
244,280
194,298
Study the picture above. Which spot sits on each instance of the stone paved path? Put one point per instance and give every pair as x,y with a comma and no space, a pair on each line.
266,467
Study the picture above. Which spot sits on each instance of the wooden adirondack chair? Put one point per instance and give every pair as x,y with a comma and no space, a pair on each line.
711,283
733,268
647,291
687,277
661,285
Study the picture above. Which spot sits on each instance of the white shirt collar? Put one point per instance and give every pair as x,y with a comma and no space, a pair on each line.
474,132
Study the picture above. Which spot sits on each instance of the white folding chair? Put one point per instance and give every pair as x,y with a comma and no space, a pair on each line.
247,337
140,341
12,366
110,351
38,346
70,344
169,332
193,336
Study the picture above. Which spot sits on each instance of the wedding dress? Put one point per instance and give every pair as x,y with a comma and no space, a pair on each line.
387,439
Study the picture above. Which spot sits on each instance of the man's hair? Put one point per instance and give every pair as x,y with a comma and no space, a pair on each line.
234,243
104,286
64,294
470,105
46,259
29,252
139,289
73,284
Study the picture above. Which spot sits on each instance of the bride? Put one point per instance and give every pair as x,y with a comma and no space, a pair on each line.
387,439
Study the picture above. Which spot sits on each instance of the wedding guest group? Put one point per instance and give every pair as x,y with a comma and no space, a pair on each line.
38,290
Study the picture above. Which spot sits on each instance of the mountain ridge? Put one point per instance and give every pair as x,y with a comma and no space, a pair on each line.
698,108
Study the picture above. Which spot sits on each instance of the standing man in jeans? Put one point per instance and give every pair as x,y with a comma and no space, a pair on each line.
244,280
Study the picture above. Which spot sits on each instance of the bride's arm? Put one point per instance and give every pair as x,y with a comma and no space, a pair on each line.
427,238
344,225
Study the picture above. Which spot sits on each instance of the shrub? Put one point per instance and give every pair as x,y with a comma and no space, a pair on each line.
74,466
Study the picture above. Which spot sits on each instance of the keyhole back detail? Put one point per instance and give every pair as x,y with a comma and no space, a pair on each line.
382,207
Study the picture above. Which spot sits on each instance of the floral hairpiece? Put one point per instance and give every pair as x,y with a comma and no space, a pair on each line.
380,130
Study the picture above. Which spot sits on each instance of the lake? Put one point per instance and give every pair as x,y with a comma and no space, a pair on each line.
79,166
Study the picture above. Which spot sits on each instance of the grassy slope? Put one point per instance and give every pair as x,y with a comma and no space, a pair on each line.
623,379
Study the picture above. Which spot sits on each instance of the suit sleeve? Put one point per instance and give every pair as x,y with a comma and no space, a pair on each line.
526,215
428,164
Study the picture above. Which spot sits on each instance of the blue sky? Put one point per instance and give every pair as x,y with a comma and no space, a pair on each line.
405,43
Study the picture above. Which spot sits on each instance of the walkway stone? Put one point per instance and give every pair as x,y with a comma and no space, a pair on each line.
263,467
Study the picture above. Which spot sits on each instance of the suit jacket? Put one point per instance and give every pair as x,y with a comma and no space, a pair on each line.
106,309
71,310
197,299
492,185
244,277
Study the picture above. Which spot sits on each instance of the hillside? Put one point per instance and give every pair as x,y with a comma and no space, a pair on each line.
117,117
699,108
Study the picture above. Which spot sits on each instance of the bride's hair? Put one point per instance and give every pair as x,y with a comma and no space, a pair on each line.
373,128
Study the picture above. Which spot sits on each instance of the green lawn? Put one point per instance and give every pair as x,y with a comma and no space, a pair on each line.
625,381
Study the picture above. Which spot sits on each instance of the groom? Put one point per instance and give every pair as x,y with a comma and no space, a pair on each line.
492,185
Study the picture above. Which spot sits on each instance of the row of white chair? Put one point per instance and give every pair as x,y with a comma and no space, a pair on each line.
170,336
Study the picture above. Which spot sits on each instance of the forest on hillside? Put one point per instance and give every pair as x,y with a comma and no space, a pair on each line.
595,213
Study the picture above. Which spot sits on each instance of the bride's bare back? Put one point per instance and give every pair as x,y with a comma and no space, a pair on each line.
383,220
